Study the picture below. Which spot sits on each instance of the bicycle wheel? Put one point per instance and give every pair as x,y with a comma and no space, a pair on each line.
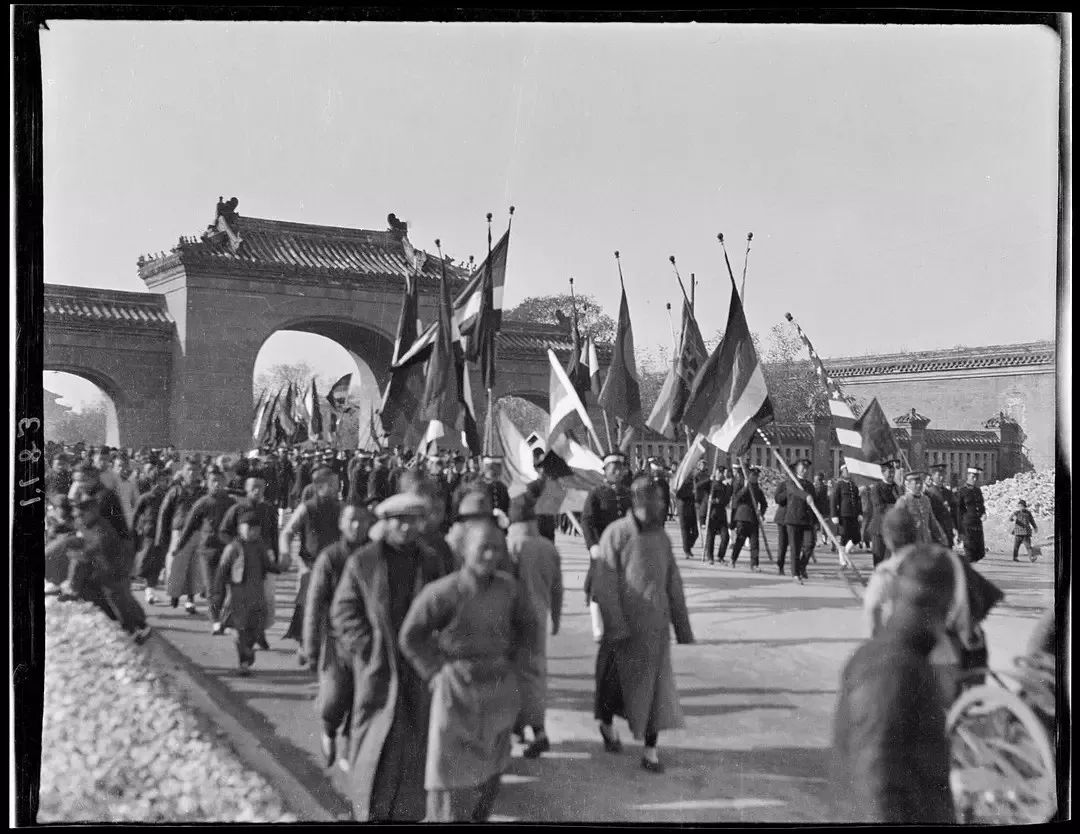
1002,760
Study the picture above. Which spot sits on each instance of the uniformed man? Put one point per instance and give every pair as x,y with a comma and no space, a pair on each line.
606,503
685,494
747,506
970,512
845,508
713,496
882,496
942,501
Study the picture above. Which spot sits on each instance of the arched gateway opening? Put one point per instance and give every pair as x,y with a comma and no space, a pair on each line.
80,407
327,350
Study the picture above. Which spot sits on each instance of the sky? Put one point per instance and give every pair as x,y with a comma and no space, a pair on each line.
900,181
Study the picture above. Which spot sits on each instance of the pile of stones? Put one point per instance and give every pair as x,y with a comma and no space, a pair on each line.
119,744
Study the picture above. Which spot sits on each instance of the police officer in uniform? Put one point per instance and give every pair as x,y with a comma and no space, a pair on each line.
606,503
942,501
882,496
713,496
686,496
970,512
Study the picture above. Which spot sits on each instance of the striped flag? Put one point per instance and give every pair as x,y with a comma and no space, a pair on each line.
861,468
567,411
729,401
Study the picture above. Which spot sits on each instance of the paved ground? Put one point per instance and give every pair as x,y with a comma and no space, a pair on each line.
757,689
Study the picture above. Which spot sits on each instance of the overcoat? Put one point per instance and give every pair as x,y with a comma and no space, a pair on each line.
538,567
640,593
361,628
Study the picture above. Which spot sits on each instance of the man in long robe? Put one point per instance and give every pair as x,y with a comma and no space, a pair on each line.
538,568
389,726
335,673
640,593
463,636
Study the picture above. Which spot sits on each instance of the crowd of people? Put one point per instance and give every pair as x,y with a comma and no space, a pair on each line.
426,596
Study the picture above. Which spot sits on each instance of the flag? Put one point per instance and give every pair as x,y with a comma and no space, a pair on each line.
588,356
338,395
479,334
660,416
311,403
578,369
442,398
401,399
467,305
861,469
878,441
728,400
692,355
285,413
621,394
568,413
688,464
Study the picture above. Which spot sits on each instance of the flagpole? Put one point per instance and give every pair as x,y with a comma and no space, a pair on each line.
746,259
844,561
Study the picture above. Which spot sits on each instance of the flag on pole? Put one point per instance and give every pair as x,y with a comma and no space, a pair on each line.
401,399
861,468
467,306
621,394
568,414
728,400
314,408
285,413
338,395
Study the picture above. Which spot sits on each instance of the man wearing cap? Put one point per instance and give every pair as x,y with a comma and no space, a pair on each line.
387,735
845,508
797,498
205,518
316,522
942,501
747,506
335,673
492,482
713,496
535,562
465,635
685,494
883,495
605,504
914,500
970,511
640,594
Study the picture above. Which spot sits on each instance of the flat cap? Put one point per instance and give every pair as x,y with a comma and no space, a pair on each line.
402,504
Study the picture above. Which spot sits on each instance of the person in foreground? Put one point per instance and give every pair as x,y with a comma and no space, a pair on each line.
890,755
463,635
389,726
640,593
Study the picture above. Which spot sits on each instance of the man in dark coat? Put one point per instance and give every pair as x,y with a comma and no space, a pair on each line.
970,512
389,726
891,755
604,504
334,700
205,519
747,506
942,502
799,518
845,508
713,496
316,521
882,496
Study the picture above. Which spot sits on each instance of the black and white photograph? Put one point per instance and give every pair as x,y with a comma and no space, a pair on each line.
532,417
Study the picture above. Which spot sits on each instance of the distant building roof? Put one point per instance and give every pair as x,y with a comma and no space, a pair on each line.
138,309
955,359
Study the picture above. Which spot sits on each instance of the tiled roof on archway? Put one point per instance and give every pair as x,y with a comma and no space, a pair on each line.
317,250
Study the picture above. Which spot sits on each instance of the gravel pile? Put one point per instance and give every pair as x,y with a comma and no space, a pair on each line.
118,743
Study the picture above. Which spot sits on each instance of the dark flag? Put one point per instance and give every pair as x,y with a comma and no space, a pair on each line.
401,399
878,441
621,394
728,400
